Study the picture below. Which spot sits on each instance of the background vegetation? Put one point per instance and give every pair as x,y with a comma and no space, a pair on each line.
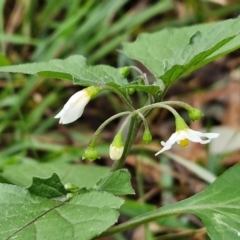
40,30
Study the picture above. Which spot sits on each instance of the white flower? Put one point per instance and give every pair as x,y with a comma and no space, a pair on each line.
74,107
115,152
183,136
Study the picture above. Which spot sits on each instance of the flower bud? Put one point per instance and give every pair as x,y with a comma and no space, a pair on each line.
91,154
124,71
194,114
147,136
116,148
131,90
71,187
70,196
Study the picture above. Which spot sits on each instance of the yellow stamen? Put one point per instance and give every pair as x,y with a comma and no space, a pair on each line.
184,142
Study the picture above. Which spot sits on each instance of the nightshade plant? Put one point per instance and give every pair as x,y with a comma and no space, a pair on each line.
83,209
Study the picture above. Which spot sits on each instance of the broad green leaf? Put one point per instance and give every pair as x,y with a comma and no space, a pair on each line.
117,183
73,68
172,52
25,216
51,187
78,174
218,206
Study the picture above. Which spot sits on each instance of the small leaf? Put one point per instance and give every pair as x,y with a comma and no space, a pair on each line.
117,183
170,53
73,68
49,187
24,216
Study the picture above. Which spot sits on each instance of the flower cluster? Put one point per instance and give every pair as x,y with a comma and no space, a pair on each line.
75,106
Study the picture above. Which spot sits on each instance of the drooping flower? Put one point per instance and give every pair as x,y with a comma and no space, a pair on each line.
74,107
116,147
183,134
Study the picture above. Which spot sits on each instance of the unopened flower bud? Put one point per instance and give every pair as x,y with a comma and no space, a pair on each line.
131,90
91,154
70,196
125,71
116,148
71,187
147,136
194,114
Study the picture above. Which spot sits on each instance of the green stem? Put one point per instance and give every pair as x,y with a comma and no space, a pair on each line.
134,126
179,103
145,79
132,132
103,125
125,99
161,105
143,120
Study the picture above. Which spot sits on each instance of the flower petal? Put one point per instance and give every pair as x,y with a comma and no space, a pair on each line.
167,145
196,136
115,153
74,107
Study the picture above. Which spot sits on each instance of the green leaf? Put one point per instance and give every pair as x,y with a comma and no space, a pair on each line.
51,187
117,183
78,174
72,68
170,53
25,216
218,206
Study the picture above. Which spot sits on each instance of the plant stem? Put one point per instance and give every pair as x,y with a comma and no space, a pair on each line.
126,99
132,132
134,126
160,105
179,103
103,125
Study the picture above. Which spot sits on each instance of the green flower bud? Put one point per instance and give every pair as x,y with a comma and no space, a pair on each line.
131,90
91,154
70,196
71,187
147,136
194,114
124,71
